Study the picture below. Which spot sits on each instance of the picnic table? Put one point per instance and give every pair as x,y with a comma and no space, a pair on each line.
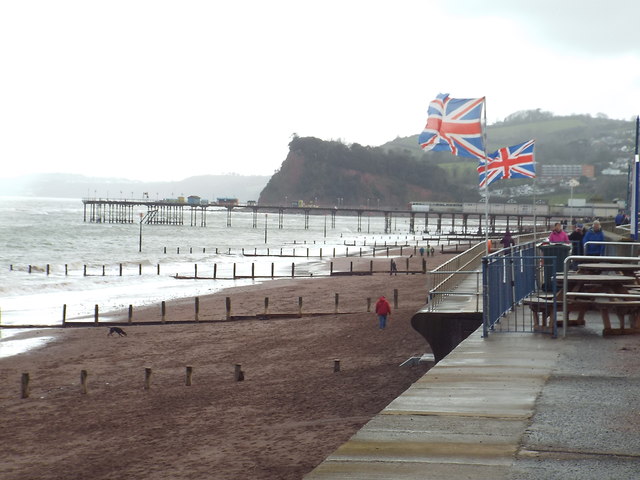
602,267
606,293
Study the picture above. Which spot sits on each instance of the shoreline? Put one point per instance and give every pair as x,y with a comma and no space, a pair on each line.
341,264
291,411
183,307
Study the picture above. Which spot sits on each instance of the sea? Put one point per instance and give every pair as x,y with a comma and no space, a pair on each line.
51,257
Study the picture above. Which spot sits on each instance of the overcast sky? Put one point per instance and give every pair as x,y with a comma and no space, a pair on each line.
163,90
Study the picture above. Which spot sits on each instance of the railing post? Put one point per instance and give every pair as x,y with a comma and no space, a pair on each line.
485,298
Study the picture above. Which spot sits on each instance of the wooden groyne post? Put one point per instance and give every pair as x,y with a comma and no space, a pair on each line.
24,386
147,378
83,381
238,374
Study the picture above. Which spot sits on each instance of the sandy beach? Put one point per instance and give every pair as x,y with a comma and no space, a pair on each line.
289,413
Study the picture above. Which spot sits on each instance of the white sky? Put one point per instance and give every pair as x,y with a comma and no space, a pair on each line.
163,90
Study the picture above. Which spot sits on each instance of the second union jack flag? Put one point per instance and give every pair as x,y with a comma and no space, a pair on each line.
509,162
454,125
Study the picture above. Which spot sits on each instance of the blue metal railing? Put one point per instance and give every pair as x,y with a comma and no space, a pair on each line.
511,275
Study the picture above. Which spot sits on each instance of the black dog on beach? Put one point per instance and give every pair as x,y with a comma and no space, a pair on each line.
118,330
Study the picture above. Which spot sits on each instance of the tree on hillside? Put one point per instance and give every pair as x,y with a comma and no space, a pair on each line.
326,170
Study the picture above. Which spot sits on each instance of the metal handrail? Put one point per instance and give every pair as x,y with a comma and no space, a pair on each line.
448,276
624,244
435,296
565,279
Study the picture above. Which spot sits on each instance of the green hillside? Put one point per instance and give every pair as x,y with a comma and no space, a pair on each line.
575,139
398,172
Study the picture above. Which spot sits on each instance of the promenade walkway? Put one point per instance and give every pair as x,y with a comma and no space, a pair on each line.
511,406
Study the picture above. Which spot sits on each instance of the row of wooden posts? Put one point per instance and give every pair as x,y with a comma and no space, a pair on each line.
228,316
238,376
415,243
47,268
215,275
308,253
269,252
429,250
295,251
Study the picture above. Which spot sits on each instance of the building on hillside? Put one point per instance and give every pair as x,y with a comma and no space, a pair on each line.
574,170
613,171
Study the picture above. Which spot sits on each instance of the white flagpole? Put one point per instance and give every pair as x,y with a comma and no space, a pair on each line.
485,308
486,182
635,186
534,210
535,218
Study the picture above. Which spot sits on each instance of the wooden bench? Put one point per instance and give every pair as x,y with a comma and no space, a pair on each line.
542,308
620,308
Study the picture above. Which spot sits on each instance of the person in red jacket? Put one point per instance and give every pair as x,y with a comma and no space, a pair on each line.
383,310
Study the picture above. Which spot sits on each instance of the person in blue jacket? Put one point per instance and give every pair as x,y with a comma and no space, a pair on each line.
594,234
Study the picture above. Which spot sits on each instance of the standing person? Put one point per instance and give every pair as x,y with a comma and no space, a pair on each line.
507,241
383,310
595,234
422,251
394,268
558,235
576,240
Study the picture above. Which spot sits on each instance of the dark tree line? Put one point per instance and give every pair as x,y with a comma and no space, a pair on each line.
332,172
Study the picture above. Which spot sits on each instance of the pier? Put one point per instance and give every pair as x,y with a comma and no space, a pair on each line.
171,212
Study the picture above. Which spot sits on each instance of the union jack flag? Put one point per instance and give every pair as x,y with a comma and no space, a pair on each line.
509,162
454,125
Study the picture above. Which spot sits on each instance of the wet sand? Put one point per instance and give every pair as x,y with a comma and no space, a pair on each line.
289,413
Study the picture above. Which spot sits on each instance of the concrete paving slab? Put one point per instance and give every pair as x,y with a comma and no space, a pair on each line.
404,471
444,428
587,420
562,466
512,406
